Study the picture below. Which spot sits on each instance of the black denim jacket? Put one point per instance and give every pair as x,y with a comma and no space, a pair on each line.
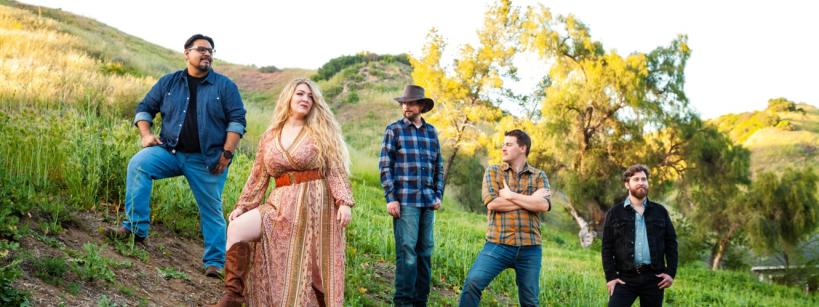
618,240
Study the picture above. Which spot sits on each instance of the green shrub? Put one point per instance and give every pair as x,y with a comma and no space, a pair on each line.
781,105
269,69
335,65
331,92
92,265
169,273
50,269
10,296
104,301
352,98
131,249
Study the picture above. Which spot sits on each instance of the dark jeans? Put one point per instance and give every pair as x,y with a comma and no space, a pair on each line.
413,253
643,286
493,259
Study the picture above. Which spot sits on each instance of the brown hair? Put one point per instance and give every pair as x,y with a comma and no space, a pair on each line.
631,170
522,138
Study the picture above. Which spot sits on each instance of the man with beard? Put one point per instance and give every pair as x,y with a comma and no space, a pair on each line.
412,174
639,245
203,118
516,195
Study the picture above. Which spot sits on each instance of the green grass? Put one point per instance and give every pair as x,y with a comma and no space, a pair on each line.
570,275
66,137
51,269
169,273
774,148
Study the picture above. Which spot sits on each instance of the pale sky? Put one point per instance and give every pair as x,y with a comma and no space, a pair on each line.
743,52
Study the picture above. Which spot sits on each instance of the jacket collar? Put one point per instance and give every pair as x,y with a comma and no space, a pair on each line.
627,202
209,78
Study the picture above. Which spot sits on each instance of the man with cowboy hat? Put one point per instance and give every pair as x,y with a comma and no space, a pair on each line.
412,174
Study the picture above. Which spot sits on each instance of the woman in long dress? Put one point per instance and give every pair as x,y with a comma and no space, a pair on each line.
289,249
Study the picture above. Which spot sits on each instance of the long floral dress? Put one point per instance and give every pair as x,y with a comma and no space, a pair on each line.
300,256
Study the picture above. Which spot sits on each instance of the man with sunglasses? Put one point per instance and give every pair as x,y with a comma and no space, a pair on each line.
203,118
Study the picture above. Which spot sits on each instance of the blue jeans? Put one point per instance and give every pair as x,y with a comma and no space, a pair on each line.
413,253
493,259
154,163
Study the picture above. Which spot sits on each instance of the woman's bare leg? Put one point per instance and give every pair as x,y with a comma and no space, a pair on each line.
245,228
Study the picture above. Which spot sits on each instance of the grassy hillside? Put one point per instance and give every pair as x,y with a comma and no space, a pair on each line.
786,134
66,136
362,98
119,51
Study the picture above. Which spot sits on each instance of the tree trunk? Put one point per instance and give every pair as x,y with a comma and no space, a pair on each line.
455,148
586,234
721,247
448,164
718,254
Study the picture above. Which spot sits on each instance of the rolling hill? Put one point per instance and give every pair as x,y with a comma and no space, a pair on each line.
786,134
66,137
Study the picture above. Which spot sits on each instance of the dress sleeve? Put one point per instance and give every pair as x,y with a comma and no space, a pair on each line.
257,182
339,185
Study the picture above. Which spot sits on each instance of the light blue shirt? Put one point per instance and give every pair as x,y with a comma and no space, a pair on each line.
642,255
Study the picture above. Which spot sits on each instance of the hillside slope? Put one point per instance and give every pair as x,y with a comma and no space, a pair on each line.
66,136
786,134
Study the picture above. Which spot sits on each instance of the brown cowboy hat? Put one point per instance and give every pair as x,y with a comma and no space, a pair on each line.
416,93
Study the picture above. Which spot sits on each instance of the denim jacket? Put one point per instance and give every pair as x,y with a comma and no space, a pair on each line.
219,110
618,240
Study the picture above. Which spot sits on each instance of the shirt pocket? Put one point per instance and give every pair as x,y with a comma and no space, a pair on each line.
656,229
211,100
170,103
619,229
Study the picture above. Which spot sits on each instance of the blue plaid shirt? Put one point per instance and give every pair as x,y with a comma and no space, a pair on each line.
412,169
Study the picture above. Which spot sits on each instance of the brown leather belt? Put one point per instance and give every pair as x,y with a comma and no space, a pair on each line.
289,178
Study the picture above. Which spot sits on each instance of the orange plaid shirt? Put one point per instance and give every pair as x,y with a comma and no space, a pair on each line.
517,227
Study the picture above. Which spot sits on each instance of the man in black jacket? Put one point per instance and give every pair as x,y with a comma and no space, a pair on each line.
639,245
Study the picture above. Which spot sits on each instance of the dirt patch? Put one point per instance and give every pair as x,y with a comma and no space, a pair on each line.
141,282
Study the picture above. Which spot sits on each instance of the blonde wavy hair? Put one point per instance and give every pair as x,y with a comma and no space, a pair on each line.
320,123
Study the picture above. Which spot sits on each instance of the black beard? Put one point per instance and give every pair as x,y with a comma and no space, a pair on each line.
412,117
203,67
639,192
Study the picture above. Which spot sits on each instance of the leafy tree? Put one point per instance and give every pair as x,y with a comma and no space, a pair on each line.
712,185
462,94
784,211
783,105
597,108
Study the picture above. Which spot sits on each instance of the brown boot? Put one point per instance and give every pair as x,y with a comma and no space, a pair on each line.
237,262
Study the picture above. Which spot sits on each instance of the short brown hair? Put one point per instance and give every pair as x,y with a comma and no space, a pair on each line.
521,137
631,170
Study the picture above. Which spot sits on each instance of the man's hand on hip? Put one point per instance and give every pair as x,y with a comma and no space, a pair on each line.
666,282
613,283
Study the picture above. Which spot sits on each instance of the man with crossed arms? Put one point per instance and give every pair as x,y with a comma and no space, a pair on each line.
515,194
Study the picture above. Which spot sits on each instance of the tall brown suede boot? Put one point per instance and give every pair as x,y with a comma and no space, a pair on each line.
237,261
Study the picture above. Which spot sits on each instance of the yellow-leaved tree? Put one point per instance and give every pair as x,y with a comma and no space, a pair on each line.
462,92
